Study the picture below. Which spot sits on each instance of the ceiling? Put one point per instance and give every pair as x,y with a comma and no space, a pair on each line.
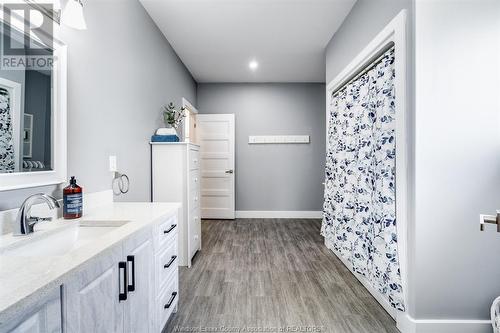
216,39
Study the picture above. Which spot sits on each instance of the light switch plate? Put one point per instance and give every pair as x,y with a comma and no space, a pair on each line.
112,163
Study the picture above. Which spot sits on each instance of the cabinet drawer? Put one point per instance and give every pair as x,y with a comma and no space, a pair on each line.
194,180
194,159
195,229
165,231
194,200
167,302
167,263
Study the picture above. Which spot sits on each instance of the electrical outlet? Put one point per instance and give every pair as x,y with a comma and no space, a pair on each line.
112,163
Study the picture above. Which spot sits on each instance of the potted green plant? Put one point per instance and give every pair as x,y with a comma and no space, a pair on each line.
173,118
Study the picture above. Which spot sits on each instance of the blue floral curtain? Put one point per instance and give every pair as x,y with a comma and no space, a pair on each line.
360,197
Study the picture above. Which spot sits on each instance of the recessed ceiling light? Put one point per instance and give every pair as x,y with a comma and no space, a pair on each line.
253,65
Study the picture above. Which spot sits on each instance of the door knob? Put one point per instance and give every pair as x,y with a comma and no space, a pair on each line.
229,171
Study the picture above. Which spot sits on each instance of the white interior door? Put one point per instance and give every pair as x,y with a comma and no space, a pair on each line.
216,138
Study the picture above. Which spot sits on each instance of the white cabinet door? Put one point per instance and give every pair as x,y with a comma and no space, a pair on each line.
92,295
139,306
44,316
216,138
33,324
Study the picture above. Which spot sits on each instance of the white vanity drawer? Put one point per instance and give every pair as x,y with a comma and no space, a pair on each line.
167,263
165,231
194,159
167,302
194,180
194,200
194,232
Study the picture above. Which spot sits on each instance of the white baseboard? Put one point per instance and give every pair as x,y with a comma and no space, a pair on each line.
407,324
274,214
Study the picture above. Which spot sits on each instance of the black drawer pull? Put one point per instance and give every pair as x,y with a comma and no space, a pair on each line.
167,265
122,296
131,259
171,300
170,229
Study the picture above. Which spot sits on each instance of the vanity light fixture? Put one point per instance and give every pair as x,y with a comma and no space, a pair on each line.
72,15
253,65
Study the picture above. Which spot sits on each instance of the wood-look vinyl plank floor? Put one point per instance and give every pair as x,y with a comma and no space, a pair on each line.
272,274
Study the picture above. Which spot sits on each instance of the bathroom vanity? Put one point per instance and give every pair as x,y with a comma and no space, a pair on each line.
115,270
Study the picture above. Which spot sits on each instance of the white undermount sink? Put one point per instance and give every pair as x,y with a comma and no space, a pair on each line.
62,240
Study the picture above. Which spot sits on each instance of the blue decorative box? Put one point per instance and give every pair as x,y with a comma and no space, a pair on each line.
164,138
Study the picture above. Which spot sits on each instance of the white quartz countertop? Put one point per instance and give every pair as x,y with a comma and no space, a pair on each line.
24,279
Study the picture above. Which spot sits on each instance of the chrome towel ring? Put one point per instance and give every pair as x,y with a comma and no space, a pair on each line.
121,183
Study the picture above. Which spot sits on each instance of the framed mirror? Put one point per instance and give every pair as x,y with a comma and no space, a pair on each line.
32,100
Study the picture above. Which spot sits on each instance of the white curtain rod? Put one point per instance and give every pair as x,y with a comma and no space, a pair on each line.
363,70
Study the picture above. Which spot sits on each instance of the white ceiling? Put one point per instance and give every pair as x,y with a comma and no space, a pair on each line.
216,39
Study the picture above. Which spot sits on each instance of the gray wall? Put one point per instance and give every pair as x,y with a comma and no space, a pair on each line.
457,157
366,19
274,177
121,71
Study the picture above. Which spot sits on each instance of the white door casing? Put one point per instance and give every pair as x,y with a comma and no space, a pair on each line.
395,32
216,135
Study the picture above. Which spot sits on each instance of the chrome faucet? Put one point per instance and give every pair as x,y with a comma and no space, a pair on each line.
24,221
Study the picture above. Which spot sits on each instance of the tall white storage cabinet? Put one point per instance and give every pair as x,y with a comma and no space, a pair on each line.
176,178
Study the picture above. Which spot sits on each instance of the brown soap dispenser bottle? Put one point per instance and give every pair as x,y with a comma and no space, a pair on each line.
73,200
